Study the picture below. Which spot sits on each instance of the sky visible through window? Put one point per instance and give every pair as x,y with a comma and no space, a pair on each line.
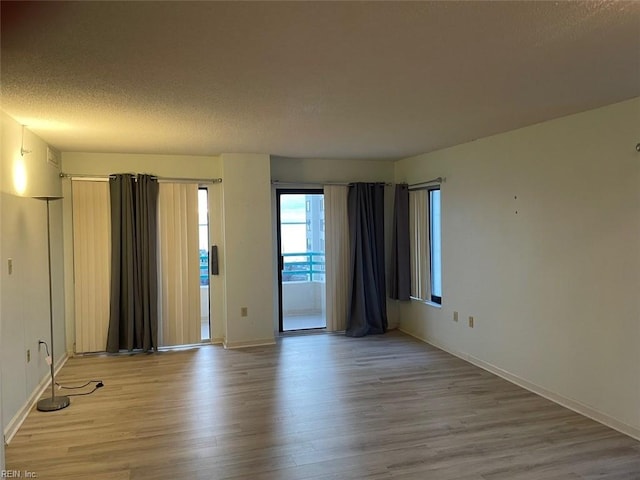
293,218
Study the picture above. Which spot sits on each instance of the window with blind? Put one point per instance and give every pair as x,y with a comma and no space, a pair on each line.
425,243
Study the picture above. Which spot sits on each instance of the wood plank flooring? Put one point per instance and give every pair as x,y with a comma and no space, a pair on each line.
312,407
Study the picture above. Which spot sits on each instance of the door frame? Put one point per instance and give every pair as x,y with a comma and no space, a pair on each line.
205,188
279,261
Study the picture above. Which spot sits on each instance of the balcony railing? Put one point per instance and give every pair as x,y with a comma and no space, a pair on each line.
297,267
303,267
204,267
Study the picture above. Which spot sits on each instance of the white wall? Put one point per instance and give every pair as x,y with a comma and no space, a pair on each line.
24,294
303,298
321,171
330,170
248,249
541,244
173,166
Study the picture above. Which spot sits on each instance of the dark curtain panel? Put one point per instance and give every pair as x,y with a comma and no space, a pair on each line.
133,321
400,288
146,278
121,317
367,302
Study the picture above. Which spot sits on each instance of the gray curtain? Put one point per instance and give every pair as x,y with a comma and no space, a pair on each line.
400,282
133,320
367,312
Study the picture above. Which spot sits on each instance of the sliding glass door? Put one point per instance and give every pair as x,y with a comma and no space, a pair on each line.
301,256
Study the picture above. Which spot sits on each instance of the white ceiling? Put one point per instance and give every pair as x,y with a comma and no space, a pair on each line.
308,79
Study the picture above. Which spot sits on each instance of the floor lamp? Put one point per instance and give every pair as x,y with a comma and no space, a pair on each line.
53,403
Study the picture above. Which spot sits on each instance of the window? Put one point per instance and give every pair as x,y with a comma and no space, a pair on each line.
425,243
301,240
203,234
435,246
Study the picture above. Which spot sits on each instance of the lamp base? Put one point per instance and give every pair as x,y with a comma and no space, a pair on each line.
53,404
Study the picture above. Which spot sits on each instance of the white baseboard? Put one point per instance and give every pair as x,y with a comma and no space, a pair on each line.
574,405
19,418
250,343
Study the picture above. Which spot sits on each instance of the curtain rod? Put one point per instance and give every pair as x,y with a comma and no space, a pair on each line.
160,179
428,182
320,184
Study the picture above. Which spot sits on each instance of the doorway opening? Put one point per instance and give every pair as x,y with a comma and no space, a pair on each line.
203,235
301,254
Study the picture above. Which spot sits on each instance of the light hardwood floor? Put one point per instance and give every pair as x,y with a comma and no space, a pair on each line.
312,407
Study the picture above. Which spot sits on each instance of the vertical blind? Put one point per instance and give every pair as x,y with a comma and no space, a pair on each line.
336,256
91,265
419,241
179,264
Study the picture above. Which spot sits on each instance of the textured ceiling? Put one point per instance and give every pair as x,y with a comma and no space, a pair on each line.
306,79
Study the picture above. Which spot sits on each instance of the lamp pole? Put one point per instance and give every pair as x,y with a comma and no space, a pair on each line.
53,403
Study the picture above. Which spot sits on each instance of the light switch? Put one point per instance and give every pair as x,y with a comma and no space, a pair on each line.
10,265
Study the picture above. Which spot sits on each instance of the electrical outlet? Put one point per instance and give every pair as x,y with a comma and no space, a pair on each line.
28,355
244,311
471,322
455,316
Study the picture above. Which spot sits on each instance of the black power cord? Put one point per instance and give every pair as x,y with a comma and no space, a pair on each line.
98,383
42,342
